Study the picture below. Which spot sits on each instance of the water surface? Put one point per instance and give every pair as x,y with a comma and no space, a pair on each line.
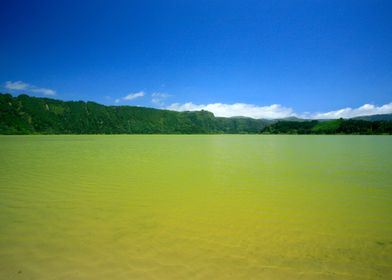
196,207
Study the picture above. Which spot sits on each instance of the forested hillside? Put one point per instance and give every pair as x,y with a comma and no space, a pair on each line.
340,126
31,115
383,117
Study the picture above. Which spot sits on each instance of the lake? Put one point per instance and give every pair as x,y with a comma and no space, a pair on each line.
195,207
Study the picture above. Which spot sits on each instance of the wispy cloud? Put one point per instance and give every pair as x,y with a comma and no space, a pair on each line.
364,110
130,96
274,111
19,85
44,91
277,111
158,98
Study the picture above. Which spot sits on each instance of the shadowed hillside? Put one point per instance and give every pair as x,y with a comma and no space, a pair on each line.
340,126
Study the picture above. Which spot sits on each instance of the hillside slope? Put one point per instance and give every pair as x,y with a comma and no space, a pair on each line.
382,117
31,115
339,126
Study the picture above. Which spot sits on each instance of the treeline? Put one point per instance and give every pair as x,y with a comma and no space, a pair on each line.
31,115
340,126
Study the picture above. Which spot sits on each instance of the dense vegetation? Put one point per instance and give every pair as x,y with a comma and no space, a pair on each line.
28,115
340,126
31,115
382,117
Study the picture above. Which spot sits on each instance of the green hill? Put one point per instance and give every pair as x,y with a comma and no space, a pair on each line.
340,126
381,117
31,115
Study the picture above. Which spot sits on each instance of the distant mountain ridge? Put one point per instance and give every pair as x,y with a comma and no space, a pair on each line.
381,117
339,126
24,114
370,118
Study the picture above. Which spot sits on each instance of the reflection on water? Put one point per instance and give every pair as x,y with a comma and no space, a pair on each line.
196,207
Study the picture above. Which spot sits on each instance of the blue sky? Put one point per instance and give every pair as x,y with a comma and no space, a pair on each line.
256,58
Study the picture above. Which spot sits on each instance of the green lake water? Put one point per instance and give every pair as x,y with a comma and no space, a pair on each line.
196,207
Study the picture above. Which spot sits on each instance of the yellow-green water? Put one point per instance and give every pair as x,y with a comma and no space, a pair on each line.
196,207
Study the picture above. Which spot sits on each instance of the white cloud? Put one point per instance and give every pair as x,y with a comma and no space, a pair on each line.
158,98
19,85
135,95
364,110
277,111
130,96
274,111
44,91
